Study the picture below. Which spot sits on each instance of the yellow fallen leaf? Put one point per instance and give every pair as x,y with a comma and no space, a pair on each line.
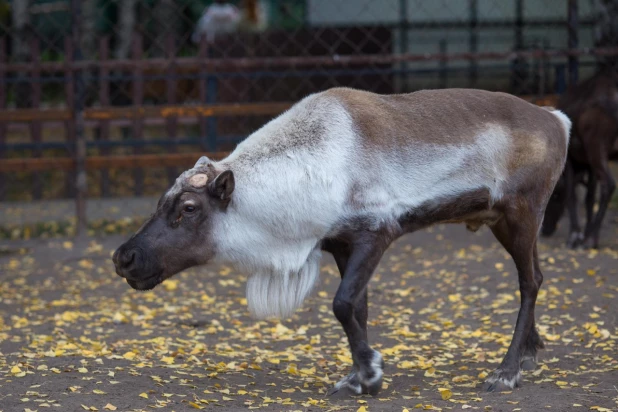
195,405
99,392
344,359
171,284
552,338
143,395
15,370
361,409
405,365
168,359
129,355
445,394
110,407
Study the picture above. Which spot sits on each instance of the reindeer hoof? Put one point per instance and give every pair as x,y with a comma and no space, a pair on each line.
575,240
501,381
350,385
590,243
366,379
528,364
371,375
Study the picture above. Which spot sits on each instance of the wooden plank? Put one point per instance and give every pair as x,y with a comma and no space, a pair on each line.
143,112
98,114
34,115
105,162
227,64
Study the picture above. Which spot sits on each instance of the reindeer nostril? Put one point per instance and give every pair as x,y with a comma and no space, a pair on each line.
127,259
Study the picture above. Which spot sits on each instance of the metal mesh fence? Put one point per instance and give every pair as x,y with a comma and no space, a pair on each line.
130,92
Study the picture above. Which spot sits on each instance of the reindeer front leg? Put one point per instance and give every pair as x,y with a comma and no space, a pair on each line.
356,261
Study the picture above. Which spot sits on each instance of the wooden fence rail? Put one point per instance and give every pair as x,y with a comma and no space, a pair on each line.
145,112
198,64
67,164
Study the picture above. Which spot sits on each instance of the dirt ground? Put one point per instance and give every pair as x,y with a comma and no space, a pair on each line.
443,303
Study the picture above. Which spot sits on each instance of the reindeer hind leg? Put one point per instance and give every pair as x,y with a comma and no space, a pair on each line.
517,232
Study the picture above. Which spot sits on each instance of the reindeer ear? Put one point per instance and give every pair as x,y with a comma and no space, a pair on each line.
223,185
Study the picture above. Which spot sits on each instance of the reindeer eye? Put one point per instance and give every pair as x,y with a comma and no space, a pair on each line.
189,209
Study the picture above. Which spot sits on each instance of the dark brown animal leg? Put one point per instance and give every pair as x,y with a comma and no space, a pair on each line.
575,232
591,191
365,251
517,232
341,254
534,341
608,186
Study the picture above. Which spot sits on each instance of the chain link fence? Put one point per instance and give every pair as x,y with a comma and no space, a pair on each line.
108,100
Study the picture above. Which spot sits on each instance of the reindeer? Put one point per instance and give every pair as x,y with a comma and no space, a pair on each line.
348,172
593,107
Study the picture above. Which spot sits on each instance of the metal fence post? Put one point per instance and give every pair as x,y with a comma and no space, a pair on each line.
403,44
78,119
443,65
211,99
573,25
473,41
3,125
519,74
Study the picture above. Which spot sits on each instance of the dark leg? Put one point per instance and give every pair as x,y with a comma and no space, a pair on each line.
575,232
341,253
350,308
517,232
608,185
591,191
534,341
598,136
